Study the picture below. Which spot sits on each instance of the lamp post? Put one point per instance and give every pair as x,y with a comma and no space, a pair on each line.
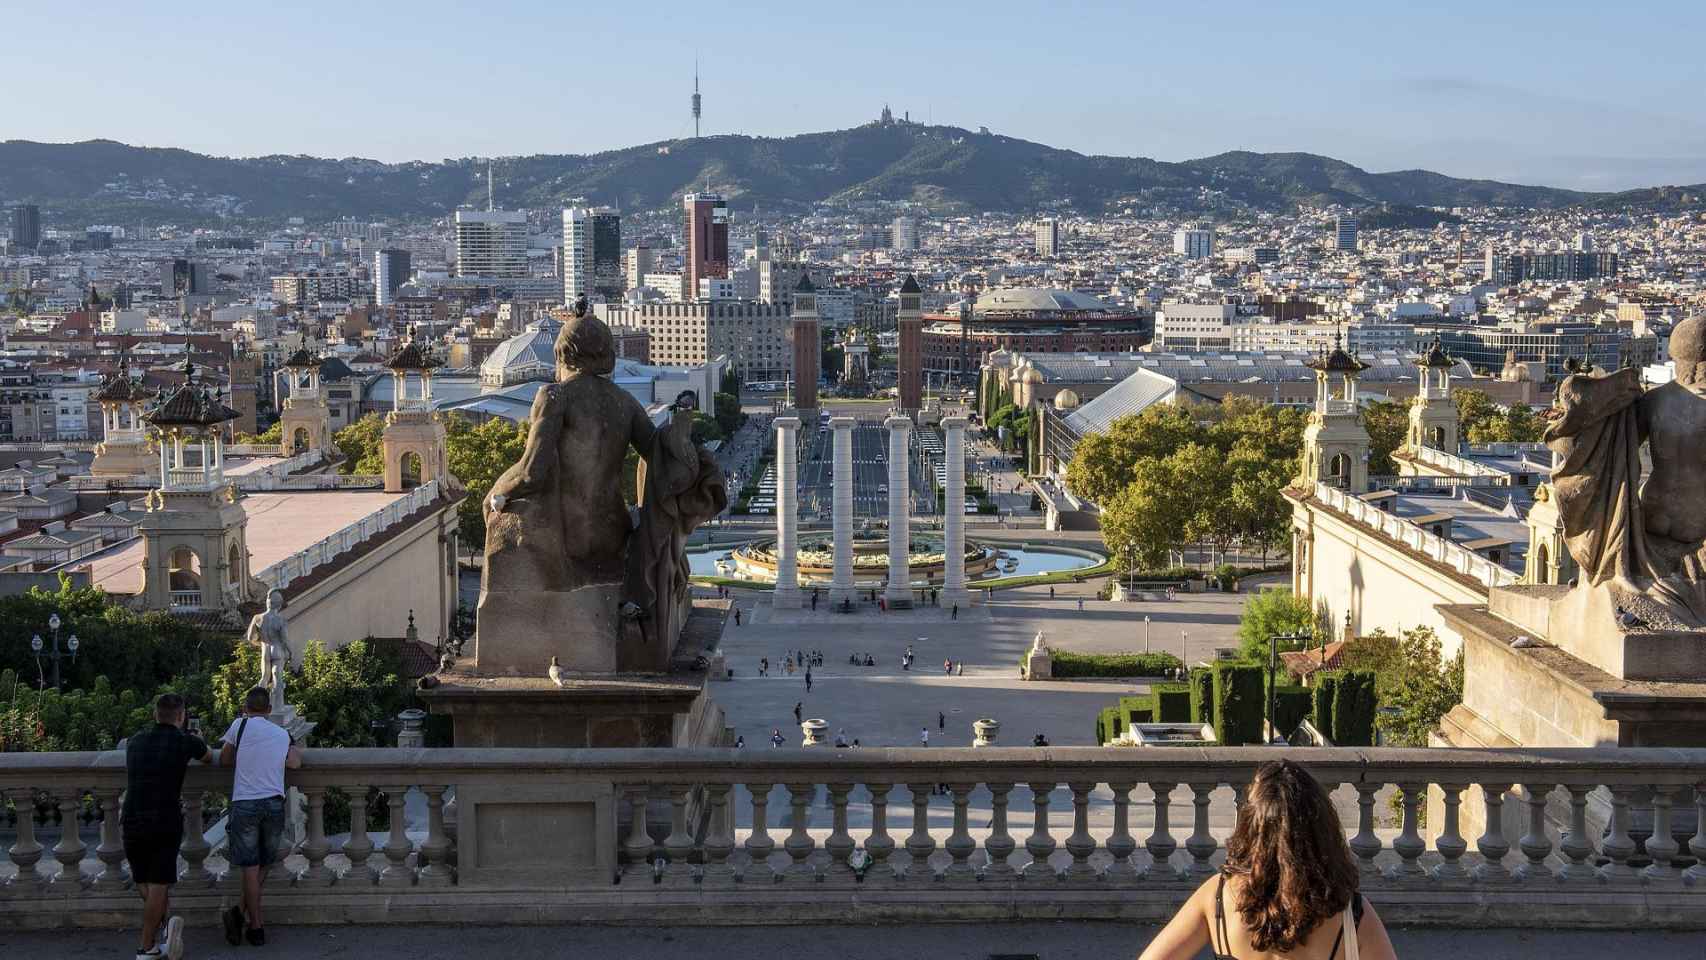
1146,634
55,655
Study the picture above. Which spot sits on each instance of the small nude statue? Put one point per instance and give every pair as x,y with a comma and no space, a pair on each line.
267,630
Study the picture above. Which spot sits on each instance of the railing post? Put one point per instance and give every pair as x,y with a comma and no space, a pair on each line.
999,845
1697,843
960,845
1366,845
25,852
1619,847
1662,846
398,846
759,846
719,839
1492,844
434,855
637,848
1040,845
678,846
1451,845
315,848
1534,843
1577,844
1121,844
879,845
359,846
920,844
111,850
800,844
194,848
1201,844
1161,845
70,848
1408,844
1080,843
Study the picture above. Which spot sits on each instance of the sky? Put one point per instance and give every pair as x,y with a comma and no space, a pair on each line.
1594,96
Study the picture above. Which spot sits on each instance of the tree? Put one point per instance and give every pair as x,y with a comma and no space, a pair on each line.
1387,423
1412,677
731,382
360,445
729,416
1272,613
479,454
1474,408
1143,520
1103,462
272,434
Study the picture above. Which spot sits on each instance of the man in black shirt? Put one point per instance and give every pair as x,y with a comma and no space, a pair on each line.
155,760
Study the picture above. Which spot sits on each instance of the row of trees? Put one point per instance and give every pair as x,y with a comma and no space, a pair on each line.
1178,474
1479,420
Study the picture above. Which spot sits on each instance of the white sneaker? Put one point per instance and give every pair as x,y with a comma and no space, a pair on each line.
175,938
152,953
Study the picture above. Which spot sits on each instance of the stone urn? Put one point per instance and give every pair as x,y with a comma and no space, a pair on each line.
814,730
986,730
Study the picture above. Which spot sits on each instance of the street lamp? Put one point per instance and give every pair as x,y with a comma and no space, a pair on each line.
55,655
1146,633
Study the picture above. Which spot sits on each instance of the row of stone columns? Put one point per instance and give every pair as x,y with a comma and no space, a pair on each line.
898,592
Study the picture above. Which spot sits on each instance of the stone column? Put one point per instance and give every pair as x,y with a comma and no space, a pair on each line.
841,587
787,595
954,512
899,592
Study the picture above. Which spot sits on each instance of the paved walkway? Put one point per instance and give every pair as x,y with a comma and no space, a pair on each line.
1044,941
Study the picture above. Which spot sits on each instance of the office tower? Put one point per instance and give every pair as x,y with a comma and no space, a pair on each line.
491,243
179,277
1584,242
390,271
592,254
807,344
706,229
903,233
639,262
1345,233
607,253
1048,237
26,226
1194,244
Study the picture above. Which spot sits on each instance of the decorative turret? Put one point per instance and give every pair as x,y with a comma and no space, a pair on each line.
123,450
1335,444
412,359
415,445
185,420
1433,417
306,421
807,345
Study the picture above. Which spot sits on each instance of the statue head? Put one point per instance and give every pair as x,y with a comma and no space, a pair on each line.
1688,349
275,600
585,346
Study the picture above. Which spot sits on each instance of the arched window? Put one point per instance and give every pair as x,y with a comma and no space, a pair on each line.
299,440
1543,566
233,565
410,470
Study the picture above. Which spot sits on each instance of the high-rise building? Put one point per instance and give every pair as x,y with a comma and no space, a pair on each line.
1345,233
638,262
1194,244
179,277
592,254
491,243
1514,268
1584,242
903,233
1048,237
390,271
26,226
706,229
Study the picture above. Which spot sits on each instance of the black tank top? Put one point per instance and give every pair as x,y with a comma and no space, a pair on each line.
1222,939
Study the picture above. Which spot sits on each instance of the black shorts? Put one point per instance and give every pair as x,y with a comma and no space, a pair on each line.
153,854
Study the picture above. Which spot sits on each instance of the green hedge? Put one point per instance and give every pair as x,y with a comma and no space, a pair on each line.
1237,703
1326,687
1108,725
1138,709
1172,702
1354,706
1068,664
1202,696
1291,705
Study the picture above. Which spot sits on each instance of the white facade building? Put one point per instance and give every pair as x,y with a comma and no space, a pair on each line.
1194,244
491,243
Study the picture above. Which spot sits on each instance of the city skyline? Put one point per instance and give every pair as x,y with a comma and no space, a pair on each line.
1504,98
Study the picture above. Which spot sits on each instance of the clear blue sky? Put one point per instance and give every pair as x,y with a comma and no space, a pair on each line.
1590,95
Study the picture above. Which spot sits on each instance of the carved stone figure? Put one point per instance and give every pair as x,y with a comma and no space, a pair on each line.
1646,542
267,630
563,552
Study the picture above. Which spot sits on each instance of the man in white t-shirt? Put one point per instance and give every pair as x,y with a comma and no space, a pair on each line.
259,750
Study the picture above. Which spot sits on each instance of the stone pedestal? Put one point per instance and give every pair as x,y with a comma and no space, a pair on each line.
899,591
813,730
985,732
841,586
787,593
954,589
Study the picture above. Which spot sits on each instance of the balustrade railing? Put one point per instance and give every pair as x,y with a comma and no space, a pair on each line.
1448,837
323,551
186,599
1428,544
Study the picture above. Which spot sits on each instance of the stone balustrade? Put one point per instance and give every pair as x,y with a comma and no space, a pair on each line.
536,836
1436,548
323,551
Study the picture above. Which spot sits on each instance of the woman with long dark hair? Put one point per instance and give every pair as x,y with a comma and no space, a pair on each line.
1288,887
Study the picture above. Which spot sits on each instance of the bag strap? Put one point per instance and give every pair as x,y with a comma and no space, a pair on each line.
240,728
1348,930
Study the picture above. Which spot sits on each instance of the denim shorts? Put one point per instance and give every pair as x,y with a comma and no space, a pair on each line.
254,831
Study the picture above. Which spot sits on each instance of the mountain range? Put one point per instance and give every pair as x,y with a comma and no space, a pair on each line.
943,169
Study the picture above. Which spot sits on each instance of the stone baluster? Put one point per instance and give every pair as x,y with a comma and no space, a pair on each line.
359,846
1696,844
1577,844
1161,845
1451,845
398,846
960,845
1534,843
70,849
111,849
1408,844
1080,843
1491,844
25,852
1619,847
839,844
879,845
1366,845
678,846
1662,846
434,856
1201,844
920,844
315,847
1121,844
800,844
1040,845
999,845
637,848
719,839
194,848
759,846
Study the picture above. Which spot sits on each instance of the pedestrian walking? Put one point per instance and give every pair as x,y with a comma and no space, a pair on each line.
960,669
797,706
737,616
740,742
1051,591
814,599
154,763
948,666
808,679
260,751
941,720
956,614
775,737
764,667
1080,604
924,736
